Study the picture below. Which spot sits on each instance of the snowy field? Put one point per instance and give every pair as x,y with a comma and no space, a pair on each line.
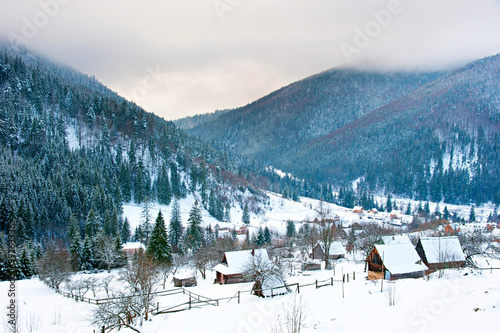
459,301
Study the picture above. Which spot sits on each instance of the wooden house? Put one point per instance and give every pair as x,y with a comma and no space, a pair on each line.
495,235
130,248
441,252
396,261
243,230
337,251
233,264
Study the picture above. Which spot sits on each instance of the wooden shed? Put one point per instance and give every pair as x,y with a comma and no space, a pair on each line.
397,261
337,251
184,280
441,252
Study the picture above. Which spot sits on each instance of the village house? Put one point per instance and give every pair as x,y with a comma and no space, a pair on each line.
234,263
441,252
337,251
396,261
130,248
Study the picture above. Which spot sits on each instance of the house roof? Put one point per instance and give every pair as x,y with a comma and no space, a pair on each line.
336,247
133,246
234,262
400,258
442,249
396,239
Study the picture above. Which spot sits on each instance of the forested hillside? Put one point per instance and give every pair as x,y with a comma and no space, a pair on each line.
440,142
72,152
427,136
271,128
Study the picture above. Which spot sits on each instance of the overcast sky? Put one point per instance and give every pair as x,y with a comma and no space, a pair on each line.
183,57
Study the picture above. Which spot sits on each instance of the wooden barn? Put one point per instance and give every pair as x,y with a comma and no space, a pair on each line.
441,252
397,261
337,251
233,265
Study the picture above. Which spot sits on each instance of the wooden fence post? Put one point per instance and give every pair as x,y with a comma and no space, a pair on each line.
238,297
331,281
298,288
353,276
316,283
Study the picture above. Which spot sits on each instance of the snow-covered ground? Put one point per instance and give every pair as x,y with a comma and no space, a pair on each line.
459,301
279,211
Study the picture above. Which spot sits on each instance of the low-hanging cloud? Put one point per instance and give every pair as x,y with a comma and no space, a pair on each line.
223,54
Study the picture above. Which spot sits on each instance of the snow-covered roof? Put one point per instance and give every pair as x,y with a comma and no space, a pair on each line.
400,258
442,249
396,239
235,261
184,275
337,248
133,246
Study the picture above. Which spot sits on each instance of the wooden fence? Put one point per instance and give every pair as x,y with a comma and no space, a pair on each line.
196,300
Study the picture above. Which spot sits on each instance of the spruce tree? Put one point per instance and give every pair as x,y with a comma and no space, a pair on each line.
158,246
194,233
246,215
125,231
267,235
25,264
175,227
472,214
290,229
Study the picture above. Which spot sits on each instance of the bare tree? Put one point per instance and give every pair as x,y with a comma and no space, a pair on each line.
141,276
178,261
261,270
54,267
472,243
78,287
120,311
293,317
327,230
164,270
106,284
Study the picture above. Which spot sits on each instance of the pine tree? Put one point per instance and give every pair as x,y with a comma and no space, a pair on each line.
246,215
408,209
259,240
25,264
92,224
389,204
158,246
472,214
125,231
290,229
175,227
194,233
163,186
88,257
267,235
